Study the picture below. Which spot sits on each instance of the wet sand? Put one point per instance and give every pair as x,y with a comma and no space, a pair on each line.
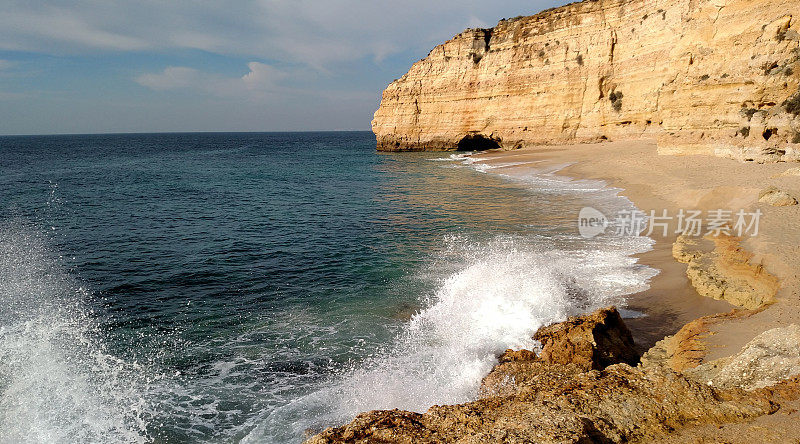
655,182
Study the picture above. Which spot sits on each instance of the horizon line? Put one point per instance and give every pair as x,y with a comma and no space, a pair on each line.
124,133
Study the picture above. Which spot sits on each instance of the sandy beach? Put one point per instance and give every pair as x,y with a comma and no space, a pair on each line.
656,182
717,342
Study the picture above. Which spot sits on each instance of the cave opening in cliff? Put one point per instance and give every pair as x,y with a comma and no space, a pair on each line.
477,142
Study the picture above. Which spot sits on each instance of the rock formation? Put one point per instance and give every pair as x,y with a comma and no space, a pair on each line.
777,198
766,360
725,272
702,76
574,392
592,342
580,344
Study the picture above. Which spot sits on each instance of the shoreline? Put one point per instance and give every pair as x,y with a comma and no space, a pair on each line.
670,302
715,367
656,182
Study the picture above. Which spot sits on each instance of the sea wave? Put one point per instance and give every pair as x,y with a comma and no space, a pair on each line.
58,384
502,292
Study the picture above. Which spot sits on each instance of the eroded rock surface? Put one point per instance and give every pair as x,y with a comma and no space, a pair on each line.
561,399
777,198
592,342
686,349
582,343
769,358
724,271
703,76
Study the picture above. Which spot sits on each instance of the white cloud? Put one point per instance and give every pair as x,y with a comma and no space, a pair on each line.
173,77
258,83
317,33
25,29
261,76
5,64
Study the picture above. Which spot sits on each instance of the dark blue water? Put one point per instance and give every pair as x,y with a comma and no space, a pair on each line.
256,287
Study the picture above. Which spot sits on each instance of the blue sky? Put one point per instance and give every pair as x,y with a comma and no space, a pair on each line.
89,66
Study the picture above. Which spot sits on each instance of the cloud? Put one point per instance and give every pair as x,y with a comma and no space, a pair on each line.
316,33
26,29
259,82
173,77
5,64
261,76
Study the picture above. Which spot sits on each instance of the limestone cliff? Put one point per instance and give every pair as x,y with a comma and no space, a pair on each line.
702,76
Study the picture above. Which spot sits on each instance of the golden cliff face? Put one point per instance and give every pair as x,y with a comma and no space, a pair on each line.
702,76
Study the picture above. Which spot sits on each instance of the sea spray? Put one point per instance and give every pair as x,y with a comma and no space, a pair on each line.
496,296
263,277
57,382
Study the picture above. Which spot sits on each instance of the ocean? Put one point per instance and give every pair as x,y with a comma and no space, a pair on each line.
258,287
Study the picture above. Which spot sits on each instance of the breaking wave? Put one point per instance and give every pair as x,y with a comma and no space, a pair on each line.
58,384
492,296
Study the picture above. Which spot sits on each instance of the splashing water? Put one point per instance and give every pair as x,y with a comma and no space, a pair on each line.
252,291
57,384
501,293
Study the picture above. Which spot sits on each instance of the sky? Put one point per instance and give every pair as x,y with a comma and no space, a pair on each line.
109,66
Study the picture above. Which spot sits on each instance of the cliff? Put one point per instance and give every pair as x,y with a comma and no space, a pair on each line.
702,76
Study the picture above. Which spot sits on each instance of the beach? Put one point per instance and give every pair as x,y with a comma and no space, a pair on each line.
717,336
656,182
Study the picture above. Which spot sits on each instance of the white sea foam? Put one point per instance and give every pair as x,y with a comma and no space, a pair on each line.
501,294
57,382
497,295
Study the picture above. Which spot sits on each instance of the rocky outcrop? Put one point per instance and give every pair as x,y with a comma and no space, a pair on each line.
766,360
777,198
557,397
702,76
582,343
687,349
592,342
724,271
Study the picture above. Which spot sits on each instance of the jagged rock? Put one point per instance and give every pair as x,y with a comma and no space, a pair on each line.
777,198
509,378
686,349
516,356
592,341
580,344
557,402
618,404
724,271
769,358
701,76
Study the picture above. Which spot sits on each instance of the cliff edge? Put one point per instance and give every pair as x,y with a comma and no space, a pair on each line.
701,76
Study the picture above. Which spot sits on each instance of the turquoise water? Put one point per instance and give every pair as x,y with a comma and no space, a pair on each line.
259,287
